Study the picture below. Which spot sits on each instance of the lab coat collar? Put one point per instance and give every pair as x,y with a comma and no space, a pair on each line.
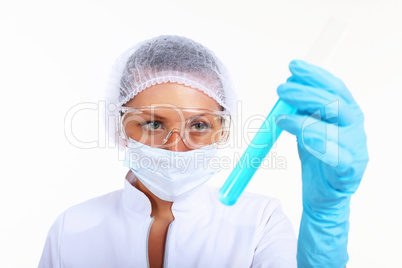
138,202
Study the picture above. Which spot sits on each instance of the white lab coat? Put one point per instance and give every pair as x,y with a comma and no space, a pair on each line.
112,231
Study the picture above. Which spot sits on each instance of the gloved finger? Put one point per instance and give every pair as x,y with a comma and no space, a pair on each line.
309,128
312,75
342,148
309,100
305,98
354,142
291,123
314,136
349,171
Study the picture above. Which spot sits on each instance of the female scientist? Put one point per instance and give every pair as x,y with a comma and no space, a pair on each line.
174,100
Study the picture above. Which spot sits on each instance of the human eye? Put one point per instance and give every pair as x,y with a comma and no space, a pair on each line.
200,127
151,125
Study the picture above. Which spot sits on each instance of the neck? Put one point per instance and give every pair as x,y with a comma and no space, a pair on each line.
160,208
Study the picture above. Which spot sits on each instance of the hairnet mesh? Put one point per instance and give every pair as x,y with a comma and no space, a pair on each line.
165,59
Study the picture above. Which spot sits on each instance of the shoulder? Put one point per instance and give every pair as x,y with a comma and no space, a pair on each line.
91,212
96,204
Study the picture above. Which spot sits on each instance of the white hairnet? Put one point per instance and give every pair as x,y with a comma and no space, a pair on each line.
163,59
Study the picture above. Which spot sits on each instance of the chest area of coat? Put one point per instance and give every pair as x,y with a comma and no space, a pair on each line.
194,242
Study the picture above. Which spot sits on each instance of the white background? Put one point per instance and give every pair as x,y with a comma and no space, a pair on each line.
57,54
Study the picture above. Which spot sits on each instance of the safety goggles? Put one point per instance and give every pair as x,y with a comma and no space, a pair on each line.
154,125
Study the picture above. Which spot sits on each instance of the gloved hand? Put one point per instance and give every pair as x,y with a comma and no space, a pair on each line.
333,153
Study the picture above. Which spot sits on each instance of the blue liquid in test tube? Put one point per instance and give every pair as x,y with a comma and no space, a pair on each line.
254,154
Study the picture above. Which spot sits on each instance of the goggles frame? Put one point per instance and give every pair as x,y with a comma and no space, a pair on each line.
179,110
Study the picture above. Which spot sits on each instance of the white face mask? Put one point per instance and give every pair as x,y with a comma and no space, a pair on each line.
169,174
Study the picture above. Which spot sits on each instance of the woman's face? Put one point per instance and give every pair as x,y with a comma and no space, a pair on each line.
171,94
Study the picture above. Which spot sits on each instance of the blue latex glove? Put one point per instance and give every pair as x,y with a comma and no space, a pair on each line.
333,153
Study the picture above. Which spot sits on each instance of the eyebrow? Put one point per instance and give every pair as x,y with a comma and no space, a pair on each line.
154,114
164,118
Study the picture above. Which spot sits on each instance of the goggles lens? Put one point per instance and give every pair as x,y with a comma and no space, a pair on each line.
153,125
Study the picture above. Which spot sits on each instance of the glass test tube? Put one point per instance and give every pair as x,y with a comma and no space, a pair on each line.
269,131
255,153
